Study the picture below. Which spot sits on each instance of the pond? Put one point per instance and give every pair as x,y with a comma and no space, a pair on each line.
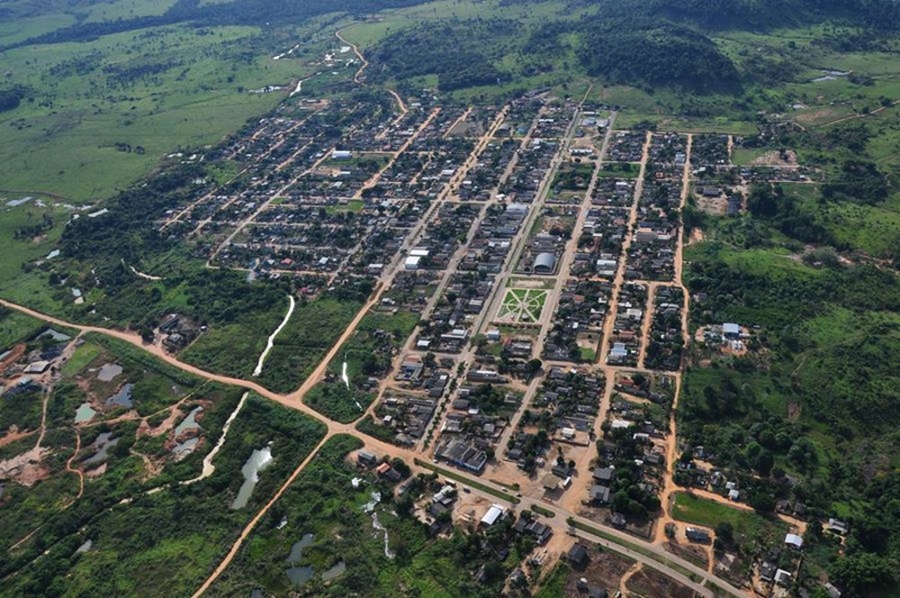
104,442
299,575
335,571
297,548
121,398
109,371
84,413
85,547
183,449
259,460
188,423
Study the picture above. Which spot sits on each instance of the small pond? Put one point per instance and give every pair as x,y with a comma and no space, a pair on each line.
84,413
104,442
109,371
121,398
185,448
335,571
188,423
259,460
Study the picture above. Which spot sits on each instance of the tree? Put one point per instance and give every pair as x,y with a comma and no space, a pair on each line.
863,574
725,532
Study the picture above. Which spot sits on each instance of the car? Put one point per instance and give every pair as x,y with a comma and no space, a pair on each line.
518,495
466,489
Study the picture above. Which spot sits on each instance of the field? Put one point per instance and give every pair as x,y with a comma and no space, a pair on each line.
752,530
158,90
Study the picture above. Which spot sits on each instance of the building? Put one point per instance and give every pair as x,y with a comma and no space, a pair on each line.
836,526
493,515
599,494
577,555
603,475
794,541
550,482
782,578
544,263
341,155
37,367
412,262
694,534
366,458
731,331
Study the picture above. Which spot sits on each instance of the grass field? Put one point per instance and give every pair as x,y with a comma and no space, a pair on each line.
15,326
748,526
160,89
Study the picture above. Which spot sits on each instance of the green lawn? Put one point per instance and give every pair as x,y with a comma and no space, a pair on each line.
749,527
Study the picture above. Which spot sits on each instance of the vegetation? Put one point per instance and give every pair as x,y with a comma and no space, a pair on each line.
181,529
323,503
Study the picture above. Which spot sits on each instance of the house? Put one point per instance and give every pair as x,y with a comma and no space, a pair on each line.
37,367
782,577
385,470
731,331
540,531
493,515
618,520
695,534
794,541
603,475
577,555
366,458
561,471
836,526
767,571
550,482
599,494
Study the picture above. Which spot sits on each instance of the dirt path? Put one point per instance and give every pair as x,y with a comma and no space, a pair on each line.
646,323
208,467
619,279
623,583
271,341
669,485
248,529
854,116
75,470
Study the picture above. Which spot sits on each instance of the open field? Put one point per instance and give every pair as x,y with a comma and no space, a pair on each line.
188,88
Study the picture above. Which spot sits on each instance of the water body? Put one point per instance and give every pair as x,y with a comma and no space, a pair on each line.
104,442
370,506
188,423
259,460
335,571
108,372
183,449
299,575
84,413
121,398
297,548
85,547
379,527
